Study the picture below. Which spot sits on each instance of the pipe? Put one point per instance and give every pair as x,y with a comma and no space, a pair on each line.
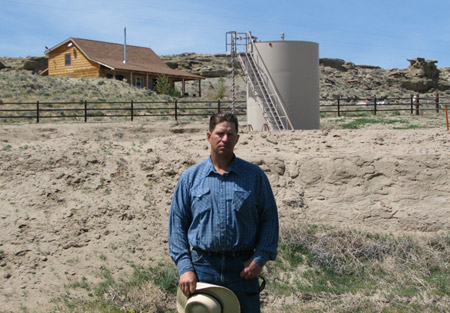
125,45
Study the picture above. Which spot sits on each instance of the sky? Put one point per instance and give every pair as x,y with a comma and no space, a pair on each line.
371,32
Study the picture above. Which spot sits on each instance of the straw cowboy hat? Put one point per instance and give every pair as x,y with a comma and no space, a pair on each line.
208,298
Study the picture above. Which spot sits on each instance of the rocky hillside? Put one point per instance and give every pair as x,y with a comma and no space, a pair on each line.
19,81
337,77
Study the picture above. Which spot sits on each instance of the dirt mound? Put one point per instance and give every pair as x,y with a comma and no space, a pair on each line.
79,198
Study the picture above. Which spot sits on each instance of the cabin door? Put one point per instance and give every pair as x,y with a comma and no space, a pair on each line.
138,82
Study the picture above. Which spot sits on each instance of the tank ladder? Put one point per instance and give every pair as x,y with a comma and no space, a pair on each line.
241,46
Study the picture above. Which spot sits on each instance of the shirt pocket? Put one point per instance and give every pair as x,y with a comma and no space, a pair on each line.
201,200
243,201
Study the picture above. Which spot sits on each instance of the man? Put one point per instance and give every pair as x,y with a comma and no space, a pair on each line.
223,224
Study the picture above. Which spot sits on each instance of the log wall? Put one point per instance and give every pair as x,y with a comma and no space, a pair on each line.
80,66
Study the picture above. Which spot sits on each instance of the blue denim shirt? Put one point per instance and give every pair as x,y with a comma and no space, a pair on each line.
230,212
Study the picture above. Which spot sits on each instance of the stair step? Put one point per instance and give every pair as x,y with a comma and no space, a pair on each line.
259,89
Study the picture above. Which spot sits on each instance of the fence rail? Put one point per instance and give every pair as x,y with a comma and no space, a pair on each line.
414,104
131,110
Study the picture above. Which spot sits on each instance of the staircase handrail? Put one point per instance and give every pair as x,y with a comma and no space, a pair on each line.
273,117
268,106
272,85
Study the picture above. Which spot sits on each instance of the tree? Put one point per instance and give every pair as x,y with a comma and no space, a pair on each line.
164,87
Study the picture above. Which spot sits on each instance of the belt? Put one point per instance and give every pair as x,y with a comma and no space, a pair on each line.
225,253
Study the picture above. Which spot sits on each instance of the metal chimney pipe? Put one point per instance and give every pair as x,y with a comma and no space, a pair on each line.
125,45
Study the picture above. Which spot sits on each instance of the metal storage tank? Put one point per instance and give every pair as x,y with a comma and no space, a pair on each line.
294,69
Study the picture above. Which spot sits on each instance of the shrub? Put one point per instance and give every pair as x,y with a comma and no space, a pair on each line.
164,87
220,89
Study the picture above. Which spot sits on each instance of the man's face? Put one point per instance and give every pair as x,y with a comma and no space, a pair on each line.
223,138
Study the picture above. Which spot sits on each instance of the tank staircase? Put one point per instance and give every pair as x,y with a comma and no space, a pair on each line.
242,46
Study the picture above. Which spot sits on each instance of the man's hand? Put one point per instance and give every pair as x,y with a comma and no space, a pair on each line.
251,270
188,283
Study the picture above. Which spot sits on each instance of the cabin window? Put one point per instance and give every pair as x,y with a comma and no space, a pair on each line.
139,82
67,59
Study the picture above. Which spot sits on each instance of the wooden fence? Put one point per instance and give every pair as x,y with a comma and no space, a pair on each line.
89,110
131,110
414,104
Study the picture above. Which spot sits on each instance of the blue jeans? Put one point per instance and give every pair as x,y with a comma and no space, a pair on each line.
225,271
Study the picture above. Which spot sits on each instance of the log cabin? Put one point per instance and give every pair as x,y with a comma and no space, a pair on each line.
139,66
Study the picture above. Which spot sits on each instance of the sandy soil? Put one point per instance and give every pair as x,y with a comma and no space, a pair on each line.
79,198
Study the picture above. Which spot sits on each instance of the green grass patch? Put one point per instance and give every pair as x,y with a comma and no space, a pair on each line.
294,255
361,122
326,281
163,276
147,289
440,279
83,284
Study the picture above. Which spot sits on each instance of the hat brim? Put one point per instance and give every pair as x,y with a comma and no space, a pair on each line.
227,298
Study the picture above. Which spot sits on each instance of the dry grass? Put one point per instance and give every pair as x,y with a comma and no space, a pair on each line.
318,269
23,86
147,289
322,269
138,298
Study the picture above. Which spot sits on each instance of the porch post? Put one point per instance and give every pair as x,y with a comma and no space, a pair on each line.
131,78
183,88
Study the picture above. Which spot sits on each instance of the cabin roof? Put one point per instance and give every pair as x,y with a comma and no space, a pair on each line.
111,55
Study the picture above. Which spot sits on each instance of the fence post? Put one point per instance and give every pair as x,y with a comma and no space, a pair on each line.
412,103
176,110
339,105
37,112
218,106
85,111
375,106
417,105
437,102
132,108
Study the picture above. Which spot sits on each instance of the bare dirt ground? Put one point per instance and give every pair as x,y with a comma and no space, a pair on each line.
79,198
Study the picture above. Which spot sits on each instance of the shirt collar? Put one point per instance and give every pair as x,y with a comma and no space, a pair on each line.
234,166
